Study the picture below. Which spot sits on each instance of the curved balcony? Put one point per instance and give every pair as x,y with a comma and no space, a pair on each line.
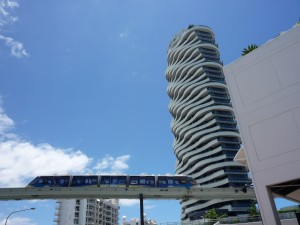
203,121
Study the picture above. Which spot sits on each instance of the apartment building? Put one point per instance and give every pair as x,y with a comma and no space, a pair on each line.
206,133
87,212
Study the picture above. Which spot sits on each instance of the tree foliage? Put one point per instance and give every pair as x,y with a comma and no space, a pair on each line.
213,214
249,48
253,211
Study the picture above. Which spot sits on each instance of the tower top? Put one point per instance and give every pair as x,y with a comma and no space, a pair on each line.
189,29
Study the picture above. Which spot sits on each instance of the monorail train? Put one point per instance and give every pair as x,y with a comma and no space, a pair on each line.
113,181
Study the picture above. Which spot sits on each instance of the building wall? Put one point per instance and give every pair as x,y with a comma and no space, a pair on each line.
265,90
87,212
206,135
65,212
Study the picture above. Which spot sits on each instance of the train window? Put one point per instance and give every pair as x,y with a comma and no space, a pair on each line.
122,180
76,180
170,181
134,180
182,180
142,180
88,181
40,181
105,180
162,180
82,180
118,180
150,180
115,180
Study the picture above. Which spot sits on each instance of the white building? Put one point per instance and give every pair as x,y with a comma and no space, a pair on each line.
136,221
87,212
206,133
265,89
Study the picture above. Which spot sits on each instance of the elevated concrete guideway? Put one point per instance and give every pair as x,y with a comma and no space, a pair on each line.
124,193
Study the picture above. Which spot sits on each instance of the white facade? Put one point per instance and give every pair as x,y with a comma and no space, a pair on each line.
136,221
87,212
265,89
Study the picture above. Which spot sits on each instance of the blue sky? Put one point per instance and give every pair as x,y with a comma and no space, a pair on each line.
83,88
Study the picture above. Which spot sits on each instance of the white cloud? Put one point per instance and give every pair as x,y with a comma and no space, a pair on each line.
6,123
6,9
123,35
6,6
18,221
16,48
22,160
150,206
112,165
12,4
129,202
134,202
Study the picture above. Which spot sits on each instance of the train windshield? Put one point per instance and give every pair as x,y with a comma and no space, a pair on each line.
180,180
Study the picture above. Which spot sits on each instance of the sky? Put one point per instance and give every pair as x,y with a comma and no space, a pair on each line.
83,88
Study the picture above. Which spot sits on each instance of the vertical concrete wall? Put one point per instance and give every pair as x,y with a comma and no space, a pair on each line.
66,212
265,91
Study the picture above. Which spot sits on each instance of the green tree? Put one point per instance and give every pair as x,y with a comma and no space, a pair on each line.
249,48
253,211
212,214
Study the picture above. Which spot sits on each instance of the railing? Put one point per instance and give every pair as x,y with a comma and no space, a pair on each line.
230,220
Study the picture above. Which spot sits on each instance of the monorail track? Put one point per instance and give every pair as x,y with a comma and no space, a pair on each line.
124,193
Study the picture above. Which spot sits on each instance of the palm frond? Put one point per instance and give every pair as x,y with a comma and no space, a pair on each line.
249,48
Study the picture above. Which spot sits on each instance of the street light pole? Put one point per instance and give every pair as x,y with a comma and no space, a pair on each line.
16,212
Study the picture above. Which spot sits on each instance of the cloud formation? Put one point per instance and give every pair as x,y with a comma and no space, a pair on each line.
22,160
129,202
6,17
16,48
111,165
150,207
6,123
123,35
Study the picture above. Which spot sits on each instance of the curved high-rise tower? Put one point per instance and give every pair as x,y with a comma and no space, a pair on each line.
206,133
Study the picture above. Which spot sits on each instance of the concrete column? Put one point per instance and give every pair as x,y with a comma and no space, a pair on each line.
267,206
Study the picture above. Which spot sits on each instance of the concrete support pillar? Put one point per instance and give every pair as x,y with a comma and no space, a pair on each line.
141,209
268,208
